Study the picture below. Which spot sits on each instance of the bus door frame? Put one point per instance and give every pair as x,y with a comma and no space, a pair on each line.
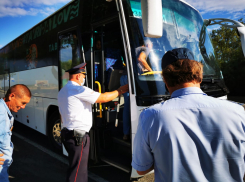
134,109
95,25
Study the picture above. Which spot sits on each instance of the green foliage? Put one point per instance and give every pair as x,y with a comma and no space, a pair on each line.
228,50
66,65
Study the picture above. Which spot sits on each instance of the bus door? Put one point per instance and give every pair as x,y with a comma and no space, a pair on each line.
109,68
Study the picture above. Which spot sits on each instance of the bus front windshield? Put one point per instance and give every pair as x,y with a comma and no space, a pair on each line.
183,27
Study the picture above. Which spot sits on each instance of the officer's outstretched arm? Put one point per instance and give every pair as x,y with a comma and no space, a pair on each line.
108,96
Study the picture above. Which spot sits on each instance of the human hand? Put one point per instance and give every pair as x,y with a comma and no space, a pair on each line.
123,89
1,159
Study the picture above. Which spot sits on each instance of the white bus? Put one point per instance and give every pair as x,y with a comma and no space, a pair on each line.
39,57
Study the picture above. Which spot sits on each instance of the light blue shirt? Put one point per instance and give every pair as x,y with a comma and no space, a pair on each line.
191,138
6,146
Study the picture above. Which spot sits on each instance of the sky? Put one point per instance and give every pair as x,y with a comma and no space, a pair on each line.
232,9
18,16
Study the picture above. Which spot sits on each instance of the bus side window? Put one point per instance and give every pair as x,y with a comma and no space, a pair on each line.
68,54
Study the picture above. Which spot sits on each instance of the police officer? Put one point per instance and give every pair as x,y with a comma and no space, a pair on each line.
75,106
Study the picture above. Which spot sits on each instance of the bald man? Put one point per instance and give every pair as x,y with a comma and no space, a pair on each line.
15,99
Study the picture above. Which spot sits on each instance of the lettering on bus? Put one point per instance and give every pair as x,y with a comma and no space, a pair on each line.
17,43
67,14
53,47
64,16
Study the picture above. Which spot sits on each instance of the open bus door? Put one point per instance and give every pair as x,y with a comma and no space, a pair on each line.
108,59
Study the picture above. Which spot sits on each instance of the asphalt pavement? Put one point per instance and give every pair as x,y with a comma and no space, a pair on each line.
33,165
34,161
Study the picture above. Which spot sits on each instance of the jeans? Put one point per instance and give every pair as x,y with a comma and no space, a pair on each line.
126,110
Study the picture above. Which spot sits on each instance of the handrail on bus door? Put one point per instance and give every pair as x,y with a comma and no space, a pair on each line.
99,86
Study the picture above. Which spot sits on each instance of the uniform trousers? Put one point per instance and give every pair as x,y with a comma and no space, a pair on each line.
77,170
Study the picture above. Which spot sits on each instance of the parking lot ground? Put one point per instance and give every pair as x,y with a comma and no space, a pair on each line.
34,165
35,161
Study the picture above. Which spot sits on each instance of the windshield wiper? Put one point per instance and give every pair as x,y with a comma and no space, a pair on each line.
218,83
208,75
210,80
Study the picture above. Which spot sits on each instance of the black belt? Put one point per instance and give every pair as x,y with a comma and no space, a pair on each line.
78,135
70,132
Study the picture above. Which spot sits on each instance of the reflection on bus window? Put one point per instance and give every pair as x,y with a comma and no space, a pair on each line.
68,54
32,56
182,28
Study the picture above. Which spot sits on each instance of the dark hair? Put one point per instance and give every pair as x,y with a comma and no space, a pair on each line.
20,90
183,71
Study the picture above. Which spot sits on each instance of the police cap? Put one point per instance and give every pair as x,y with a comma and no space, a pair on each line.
175,55
77,69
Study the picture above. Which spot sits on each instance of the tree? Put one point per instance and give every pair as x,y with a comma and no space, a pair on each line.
228,51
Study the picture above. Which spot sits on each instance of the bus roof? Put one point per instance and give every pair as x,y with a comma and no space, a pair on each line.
188,4
63,8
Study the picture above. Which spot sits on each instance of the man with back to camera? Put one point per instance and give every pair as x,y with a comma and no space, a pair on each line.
15,99
191,137
75,106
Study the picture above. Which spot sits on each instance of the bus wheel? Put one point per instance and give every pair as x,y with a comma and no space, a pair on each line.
54,132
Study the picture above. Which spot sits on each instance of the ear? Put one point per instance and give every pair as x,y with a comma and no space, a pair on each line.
11,96
77,76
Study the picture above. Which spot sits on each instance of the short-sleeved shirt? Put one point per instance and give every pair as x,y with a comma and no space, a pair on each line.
191,137
6,146
75,106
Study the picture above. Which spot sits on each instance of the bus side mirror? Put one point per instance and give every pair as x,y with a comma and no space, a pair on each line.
152,18
241,31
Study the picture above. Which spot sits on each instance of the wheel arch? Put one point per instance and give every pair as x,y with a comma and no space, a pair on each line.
52,109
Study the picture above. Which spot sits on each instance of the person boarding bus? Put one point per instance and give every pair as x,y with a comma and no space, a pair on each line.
75,105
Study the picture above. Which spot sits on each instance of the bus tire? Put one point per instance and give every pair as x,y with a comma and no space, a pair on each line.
54,132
